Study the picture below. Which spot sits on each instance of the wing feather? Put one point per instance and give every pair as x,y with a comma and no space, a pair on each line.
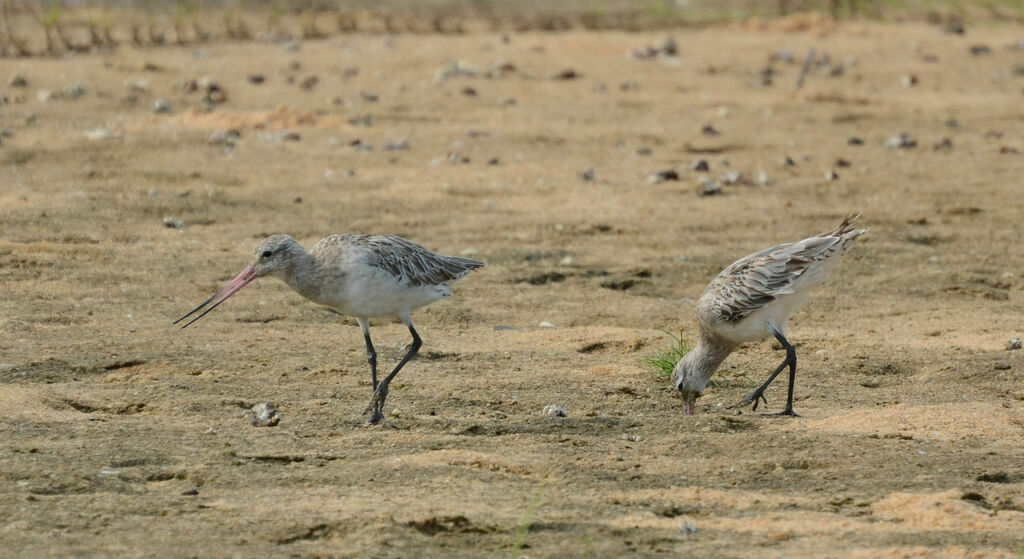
411,264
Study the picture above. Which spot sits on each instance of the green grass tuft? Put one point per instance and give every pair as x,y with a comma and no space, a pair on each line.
665,360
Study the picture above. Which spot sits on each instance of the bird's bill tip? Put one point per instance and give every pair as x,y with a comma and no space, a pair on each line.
240,281
688,407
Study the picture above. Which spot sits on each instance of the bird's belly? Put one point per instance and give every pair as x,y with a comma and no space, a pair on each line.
370,299
755,326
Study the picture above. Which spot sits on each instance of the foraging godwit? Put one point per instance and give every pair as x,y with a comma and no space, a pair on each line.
751,300
357,275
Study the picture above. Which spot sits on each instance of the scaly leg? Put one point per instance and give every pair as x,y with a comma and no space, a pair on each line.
380,394
790,360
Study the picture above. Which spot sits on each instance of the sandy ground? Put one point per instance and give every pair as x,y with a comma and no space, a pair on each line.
910,444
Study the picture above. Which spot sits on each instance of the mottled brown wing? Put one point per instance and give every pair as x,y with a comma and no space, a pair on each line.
412,264
756,280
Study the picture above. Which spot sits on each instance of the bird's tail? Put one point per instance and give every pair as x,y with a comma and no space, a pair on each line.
846,229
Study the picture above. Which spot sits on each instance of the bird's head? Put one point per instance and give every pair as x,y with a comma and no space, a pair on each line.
688,382
275,256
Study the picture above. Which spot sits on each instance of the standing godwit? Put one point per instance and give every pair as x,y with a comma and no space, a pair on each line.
751,300
357,275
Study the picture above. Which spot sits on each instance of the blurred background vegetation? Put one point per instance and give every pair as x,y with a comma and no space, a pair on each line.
56,26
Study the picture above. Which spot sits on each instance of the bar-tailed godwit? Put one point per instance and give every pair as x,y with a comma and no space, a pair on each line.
357,275
753,299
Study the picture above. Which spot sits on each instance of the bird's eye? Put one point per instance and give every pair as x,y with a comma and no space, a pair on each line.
268,253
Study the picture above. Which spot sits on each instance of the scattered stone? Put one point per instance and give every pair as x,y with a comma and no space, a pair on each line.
732,177
567,74
686,529
901,141
17,80
361,146
309,82
633,438
946,144
643,151
786,161
554,410
161,106
190,492
763,180
994,477
493,161
397,145
855,141
1008,150
457,68
831,175
700,165
767,74
498,327
667,47
498,69
993,135
173,223
1014,344
256,79
507,100
908,80
457,158
978,50
97,134
75,91
709,130
842,162
469,91
628,85
662,176
369,97
137,86
291,45
709,187
546,324
587,174
225,137
47,95
263,415
953,123
955,27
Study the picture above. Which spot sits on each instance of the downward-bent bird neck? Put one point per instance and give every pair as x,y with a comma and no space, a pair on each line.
305,275
708,354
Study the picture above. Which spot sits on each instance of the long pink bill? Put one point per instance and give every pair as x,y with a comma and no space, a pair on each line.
219,297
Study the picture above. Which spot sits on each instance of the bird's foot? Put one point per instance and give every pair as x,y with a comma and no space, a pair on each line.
785,412
755,397
376,405
378,419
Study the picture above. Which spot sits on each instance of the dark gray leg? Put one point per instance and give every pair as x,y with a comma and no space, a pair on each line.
790,360
380,394
371,354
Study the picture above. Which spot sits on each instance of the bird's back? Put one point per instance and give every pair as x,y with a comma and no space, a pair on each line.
774,281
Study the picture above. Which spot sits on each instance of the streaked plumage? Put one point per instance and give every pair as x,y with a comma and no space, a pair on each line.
754,298
363,276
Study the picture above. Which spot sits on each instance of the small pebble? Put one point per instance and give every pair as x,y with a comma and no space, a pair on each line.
643,151
507,100
709,187
546,324
842,162
709,130
17,80
309,82
161,106
226,137
1014,344
700,165
687,529
908,80
263,415
397,145
901,141
567,74
786,161
732,177
173,223
977,50
662,176
457,158
831,175
587,174
47,95
763,180
256,79
855,141
946,144
97,134
554,410
190,492
75,91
